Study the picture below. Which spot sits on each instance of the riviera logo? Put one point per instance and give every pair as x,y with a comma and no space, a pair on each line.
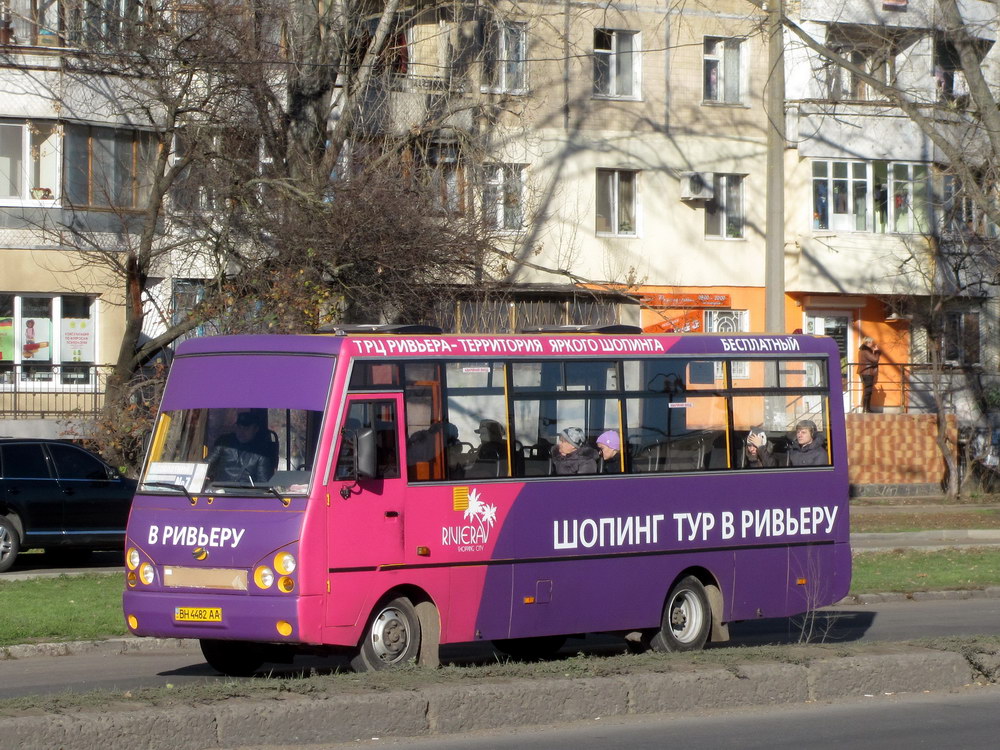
475,534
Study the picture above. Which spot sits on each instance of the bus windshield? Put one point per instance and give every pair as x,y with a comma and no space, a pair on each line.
233,450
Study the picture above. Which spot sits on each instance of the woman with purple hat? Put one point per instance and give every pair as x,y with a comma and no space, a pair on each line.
610,445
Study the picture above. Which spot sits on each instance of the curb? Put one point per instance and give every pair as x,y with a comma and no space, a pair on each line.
442,710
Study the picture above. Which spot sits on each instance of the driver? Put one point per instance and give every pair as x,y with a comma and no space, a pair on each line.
238,456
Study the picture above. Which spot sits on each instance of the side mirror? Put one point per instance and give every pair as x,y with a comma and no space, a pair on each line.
365,453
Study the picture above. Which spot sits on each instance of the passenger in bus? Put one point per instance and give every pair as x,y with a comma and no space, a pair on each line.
242,456
757,452
609,445
492,440
807,449
571,456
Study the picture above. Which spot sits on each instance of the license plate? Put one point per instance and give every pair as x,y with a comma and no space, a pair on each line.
198,614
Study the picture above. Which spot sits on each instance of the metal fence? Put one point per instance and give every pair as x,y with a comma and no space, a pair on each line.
913,387
38,391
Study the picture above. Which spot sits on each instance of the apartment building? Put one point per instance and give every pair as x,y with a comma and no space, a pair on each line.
877,232
619,151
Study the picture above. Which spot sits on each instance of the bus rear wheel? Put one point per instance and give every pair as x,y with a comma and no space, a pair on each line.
391,639
232,658
530,649
686,619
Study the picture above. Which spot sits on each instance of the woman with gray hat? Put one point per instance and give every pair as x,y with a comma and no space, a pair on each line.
571,456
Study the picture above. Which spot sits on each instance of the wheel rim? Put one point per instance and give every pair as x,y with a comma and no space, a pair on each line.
390,635
686,616
6,543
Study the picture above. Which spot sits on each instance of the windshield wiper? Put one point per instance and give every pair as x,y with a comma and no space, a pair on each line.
245,486
171,486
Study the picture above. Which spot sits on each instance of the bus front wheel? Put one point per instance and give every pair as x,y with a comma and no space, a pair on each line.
687,618
232,658
391,639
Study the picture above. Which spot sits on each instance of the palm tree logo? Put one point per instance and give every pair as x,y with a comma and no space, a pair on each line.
483,513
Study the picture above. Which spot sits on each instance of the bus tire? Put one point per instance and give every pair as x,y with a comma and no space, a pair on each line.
687,618
530,649
391,638
232,658
10,544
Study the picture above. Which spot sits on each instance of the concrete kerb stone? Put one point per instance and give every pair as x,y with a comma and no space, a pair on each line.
110,646
442,710
875,674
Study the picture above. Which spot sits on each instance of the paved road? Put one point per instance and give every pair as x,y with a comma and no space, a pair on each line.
889,621
967,719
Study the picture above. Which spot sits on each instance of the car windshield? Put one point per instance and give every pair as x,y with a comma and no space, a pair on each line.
245,451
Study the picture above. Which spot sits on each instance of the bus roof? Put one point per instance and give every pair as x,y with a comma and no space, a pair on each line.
482,346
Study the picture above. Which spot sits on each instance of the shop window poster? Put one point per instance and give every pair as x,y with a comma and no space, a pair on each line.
77,340
35,340
6,339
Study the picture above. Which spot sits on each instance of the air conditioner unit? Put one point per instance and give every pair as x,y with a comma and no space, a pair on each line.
696,186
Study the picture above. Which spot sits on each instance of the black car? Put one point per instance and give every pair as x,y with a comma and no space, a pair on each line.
58,496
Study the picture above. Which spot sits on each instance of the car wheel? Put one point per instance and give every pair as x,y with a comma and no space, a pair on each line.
687,618
10,544
392,637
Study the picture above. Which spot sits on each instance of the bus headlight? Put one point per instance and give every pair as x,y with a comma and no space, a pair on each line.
146,573
284,563
286,584
132,558
263,576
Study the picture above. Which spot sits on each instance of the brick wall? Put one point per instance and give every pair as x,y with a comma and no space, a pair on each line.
896,448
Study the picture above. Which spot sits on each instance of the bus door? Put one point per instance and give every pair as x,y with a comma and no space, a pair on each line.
365,524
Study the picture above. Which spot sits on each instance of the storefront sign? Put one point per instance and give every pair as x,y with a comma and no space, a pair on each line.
675,301
687,321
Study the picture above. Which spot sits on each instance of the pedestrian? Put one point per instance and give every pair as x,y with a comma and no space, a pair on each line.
868,357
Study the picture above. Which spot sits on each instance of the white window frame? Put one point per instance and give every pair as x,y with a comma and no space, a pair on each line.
729,321
30,193
896,193
722,200
614,202
611,55
718,59
503,185
506,45
55,362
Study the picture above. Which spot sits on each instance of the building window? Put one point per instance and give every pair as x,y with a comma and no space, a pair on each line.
949,78
616,63
616,201
724,211
503,196
108,167
883,197
961,215
723,70
729,321
960,343
504,58
846,85
48,337
29,161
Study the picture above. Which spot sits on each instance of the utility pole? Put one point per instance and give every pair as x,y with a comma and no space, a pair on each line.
774,107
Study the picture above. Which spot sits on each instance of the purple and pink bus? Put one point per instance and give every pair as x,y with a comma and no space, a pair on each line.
386,493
